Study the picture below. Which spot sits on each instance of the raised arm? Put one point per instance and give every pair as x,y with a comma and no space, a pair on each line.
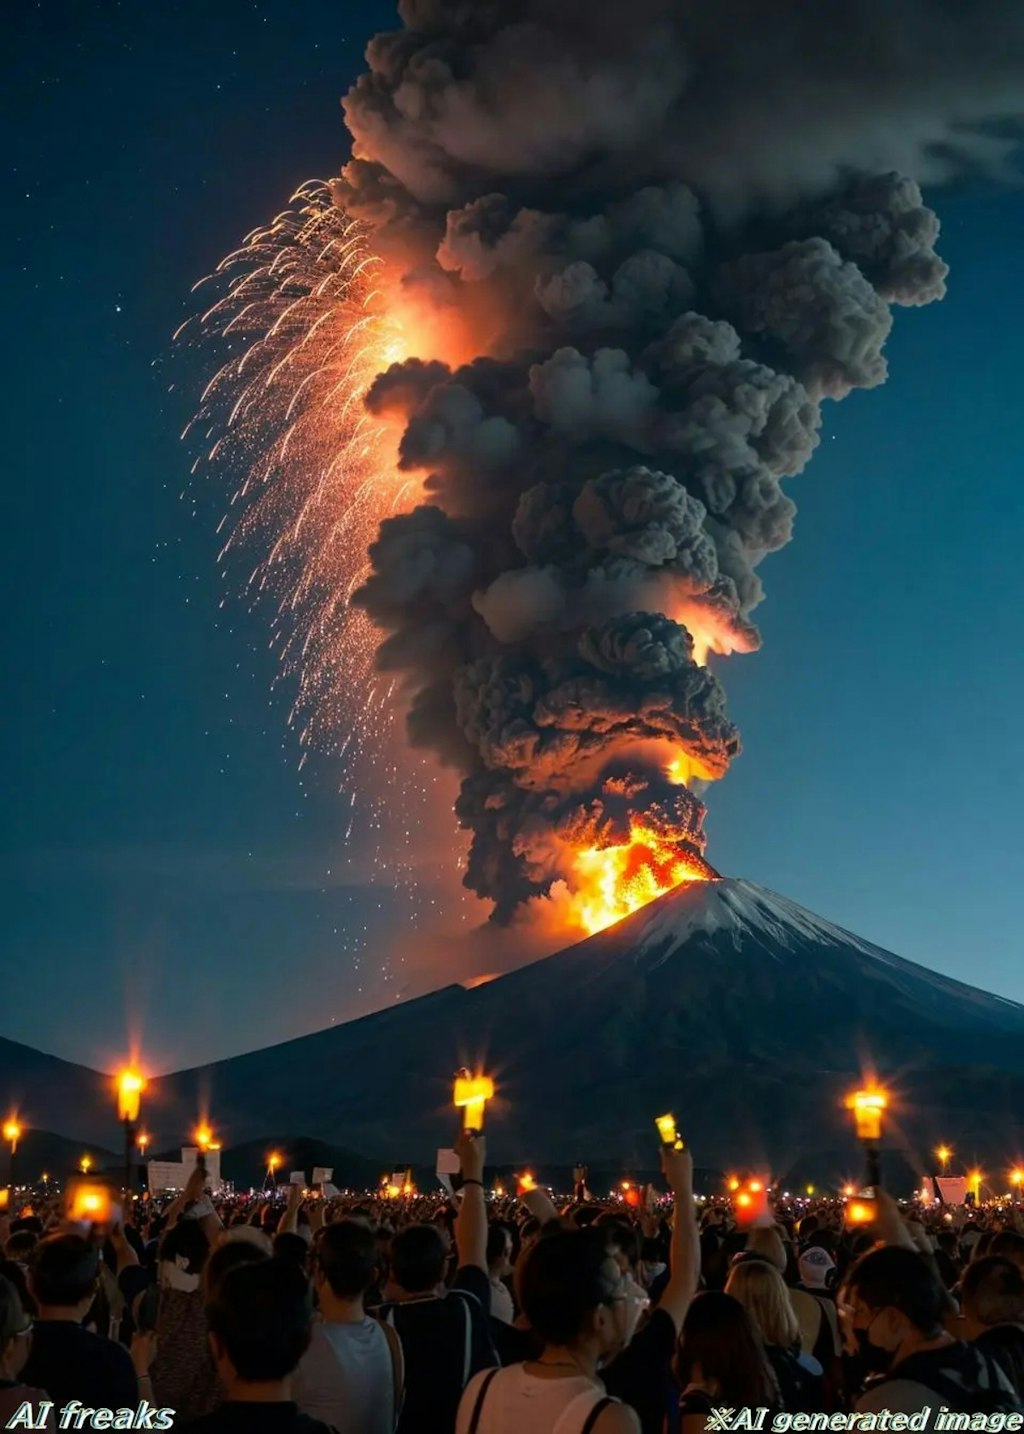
471,1221
677,1167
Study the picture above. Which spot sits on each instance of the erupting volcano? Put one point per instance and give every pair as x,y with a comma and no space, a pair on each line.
550,346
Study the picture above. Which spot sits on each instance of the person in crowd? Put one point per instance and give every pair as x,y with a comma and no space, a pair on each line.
992,1313
894,1305
184,1377
761,1290
641,1376
15,1343
1007,1243
721,1360
260,1317
576,1299
353,1374
444,1333
499,1268
66,1360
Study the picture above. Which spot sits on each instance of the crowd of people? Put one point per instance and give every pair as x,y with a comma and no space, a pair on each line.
468,1316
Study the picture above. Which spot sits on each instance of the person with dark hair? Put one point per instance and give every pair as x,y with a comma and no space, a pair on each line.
721,1360
288,1245
15,1343
70,1362
1008,1243
573,1294
184,1378
353,1374
992,1312
894,1306
445,1333
259,1316
499,1268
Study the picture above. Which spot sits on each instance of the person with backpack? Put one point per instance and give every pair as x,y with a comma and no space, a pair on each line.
444,1333
761,1290
575,1298
894,1307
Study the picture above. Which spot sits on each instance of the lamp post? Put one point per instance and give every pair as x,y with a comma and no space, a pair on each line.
129,1102
273,1165
12,1134
943,1155
868,1106
85,1164
1017,1179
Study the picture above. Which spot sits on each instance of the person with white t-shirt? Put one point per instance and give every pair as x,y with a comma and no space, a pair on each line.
574,1298
352,1374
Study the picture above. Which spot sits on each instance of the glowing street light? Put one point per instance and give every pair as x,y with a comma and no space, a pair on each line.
85,1164
203,1136
1017,1177
943,1155
974,1179
13,1132
143,1141
274,1162
130,1086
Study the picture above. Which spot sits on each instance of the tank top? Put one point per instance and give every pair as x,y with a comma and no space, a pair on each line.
509,1401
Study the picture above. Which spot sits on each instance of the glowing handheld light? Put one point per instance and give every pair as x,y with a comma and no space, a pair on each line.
471,1096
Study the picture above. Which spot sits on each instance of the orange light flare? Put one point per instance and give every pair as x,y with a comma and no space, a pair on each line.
611,882
304,315
130,1085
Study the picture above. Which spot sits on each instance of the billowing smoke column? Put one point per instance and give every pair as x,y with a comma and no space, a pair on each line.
668,232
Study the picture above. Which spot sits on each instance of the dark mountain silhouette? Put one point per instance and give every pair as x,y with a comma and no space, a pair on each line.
745,1014
739,1010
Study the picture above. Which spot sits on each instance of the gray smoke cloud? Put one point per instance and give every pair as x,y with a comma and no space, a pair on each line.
673,231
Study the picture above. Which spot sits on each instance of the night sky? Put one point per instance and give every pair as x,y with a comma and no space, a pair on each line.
165,870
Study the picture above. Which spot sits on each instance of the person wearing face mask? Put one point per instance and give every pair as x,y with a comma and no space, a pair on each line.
575,1298
893,1307
15,1343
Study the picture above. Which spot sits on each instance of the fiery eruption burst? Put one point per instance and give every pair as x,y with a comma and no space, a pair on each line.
308,321
538,537
614,881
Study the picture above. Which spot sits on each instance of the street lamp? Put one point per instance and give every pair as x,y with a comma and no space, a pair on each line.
85,1164
943,1155
273,1165
12,1134
129,1101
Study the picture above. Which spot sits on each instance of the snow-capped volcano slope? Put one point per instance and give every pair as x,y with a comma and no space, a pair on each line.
739,1010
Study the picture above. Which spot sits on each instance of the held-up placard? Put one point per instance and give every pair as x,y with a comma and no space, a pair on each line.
322,1174
297,1177
448,1162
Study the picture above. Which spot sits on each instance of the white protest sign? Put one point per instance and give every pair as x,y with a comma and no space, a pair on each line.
297,1177
322,1173
448,1163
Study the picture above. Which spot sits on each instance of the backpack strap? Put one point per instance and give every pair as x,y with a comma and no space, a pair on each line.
587,1405
478,1407
397,1366
595,1413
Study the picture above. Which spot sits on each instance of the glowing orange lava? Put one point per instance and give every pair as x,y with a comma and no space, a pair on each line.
612,882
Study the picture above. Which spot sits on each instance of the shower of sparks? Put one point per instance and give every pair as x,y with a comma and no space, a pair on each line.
301,312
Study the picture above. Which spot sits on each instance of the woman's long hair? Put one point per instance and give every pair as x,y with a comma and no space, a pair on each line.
762,1292
719,1343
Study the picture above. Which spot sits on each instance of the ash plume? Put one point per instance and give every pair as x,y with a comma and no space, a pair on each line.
668,232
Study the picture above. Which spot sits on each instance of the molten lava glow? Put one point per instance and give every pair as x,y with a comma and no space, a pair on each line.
611,882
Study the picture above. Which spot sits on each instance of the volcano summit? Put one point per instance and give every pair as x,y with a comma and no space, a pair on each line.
743,1012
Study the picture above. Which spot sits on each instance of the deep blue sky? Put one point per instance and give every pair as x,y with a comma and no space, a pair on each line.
159,853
